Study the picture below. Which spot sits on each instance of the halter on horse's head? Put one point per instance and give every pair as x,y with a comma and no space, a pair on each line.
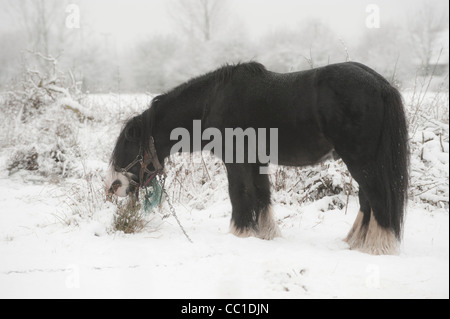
126,176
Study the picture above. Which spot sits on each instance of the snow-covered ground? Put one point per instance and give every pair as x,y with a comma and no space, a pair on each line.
56,241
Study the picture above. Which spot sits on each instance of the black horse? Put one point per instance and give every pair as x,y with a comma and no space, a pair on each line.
345,109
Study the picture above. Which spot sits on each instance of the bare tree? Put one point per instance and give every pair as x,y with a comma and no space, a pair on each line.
387,50
199,18
37,18
425,29
310,44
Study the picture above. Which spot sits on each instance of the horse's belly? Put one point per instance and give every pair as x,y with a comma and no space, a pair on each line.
304,151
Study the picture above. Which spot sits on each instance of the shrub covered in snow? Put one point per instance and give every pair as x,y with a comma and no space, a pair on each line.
41,117
430,164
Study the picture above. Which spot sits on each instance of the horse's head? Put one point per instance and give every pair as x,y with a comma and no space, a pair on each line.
128,148
134,161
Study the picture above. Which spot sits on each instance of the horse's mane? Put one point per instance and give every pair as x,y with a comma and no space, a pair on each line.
219,76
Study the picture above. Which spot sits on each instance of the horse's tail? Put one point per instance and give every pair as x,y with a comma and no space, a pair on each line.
393,161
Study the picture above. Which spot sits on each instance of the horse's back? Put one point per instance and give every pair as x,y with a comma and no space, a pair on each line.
312,109
299,95
327,107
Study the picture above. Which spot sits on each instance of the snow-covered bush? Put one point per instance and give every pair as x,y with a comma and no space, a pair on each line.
23,159
296,186
41,118
42,84
197,180
428,116
430,163
201,180
49,139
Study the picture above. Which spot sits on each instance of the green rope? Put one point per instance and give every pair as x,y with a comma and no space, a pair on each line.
152,196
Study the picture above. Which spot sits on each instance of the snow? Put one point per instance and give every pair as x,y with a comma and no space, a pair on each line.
42,258
56,239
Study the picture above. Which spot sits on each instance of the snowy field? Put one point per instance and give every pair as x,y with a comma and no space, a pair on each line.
57,239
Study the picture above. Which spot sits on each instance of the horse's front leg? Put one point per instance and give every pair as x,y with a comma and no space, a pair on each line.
251,205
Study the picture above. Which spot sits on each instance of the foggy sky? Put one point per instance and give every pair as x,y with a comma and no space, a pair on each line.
128,21
136,18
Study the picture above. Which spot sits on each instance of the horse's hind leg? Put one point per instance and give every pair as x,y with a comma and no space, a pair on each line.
380,237
358,232
372,231
250,199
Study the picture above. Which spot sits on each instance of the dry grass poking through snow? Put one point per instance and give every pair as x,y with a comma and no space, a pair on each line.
129,217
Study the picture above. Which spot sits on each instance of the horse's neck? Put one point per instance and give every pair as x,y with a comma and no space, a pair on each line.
188,104
180,111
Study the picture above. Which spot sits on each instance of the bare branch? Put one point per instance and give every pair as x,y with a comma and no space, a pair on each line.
198,18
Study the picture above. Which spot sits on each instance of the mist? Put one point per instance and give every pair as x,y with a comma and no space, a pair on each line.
132,46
